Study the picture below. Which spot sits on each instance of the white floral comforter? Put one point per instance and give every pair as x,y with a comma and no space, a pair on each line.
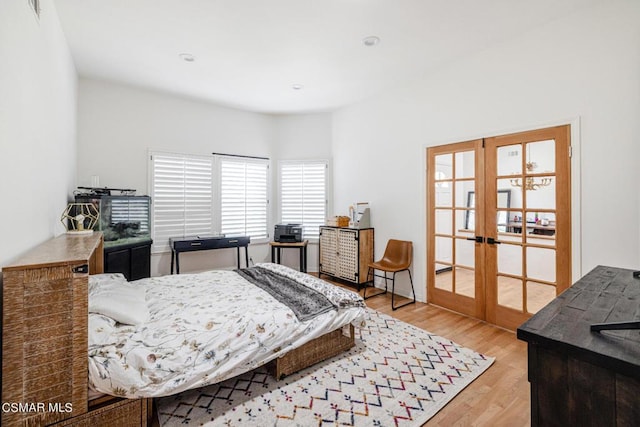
204,328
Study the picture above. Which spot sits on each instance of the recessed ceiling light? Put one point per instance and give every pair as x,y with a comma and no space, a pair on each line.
371,41
297,87
187,57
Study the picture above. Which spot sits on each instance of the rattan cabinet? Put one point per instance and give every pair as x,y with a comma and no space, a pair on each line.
345,253
45,340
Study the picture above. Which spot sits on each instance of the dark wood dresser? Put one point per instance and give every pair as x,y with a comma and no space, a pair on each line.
581,377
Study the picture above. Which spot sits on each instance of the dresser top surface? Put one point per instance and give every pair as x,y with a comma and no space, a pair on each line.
606,294
63,249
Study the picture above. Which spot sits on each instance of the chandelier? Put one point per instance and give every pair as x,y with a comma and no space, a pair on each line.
530,183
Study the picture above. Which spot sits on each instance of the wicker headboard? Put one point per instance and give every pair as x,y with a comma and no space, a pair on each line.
1,316
44,348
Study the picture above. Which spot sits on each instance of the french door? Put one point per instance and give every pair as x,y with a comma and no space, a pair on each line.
499,224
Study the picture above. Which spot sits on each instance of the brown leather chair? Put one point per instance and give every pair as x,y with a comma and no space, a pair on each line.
397,257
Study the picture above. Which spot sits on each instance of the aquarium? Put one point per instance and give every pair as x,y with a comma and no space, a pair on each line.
123,220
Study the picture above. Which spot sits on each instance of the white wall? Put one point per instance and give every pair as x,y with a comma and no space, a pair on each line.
586,65
302,136
118,124
37,127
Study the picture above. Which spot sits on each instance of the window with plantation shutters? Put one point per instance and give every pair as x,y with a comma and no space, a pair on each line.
204,195
182,197
243,196
303,194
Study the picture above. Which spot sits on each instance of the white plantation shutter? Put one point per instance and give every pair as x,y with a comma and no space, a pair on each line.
182,197
303,195
244,196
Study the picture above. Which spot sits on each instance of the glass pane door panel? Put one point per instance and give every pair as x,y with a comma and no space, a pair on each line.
444,277
510,160
541,156
514,225
443,195
510,292
462,216
444,249
510,259
444,167
539,231
547,218
539,295
504,198
536,239
541,264
502,221
470,220
465,164
531,217
515,195
465,282
465,194
510,237
515,217
541,196
443,221
465,253
543,232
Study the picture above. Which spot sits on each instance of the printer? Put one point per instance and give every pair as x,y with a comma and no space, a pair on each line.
288,233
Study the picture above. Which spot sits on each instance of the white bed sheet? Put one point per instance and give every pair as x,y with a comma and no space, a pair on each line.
202,329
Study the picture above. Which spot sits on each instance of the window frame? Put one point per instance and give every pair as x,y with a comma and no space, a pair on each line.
216,190
218,159
327,189
162,246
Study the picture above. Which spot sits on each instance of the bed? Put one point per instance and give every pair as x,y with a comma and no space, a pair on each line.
203,328
45,340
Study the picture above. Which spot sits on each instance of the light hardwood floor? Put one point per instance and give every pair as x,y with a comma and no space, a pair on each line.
500,396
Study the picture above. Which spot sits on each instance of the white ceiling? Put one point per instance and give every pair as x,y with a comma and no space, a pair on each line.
249,53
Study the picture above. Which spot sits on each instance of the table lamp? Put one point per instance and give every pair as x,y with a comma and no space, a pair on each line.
80,218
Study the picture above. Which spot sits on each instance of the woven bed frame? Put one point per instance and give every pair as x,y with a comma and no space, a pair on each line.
45,341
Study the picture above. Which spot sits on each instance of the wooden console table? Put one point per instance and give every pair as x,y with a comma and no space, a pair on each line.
276,247
204,243
581,377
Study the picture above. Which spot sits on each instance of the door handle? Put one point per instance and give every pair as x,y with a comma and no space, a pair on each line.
477,239
480,239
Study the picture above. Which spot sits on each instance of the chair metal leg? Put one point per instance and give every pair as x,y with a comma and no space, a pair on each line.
394,307
364,291
373,279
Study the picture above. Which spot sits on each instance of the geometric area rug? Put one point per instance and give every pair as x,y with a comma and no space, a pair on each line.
395,375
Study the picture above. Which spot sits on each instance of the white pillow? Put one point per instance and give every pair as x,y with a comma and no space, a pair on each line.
116,298
96,280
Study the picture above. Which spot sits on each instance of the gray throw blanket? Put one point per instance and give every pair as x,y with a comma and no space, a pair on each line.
305,302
